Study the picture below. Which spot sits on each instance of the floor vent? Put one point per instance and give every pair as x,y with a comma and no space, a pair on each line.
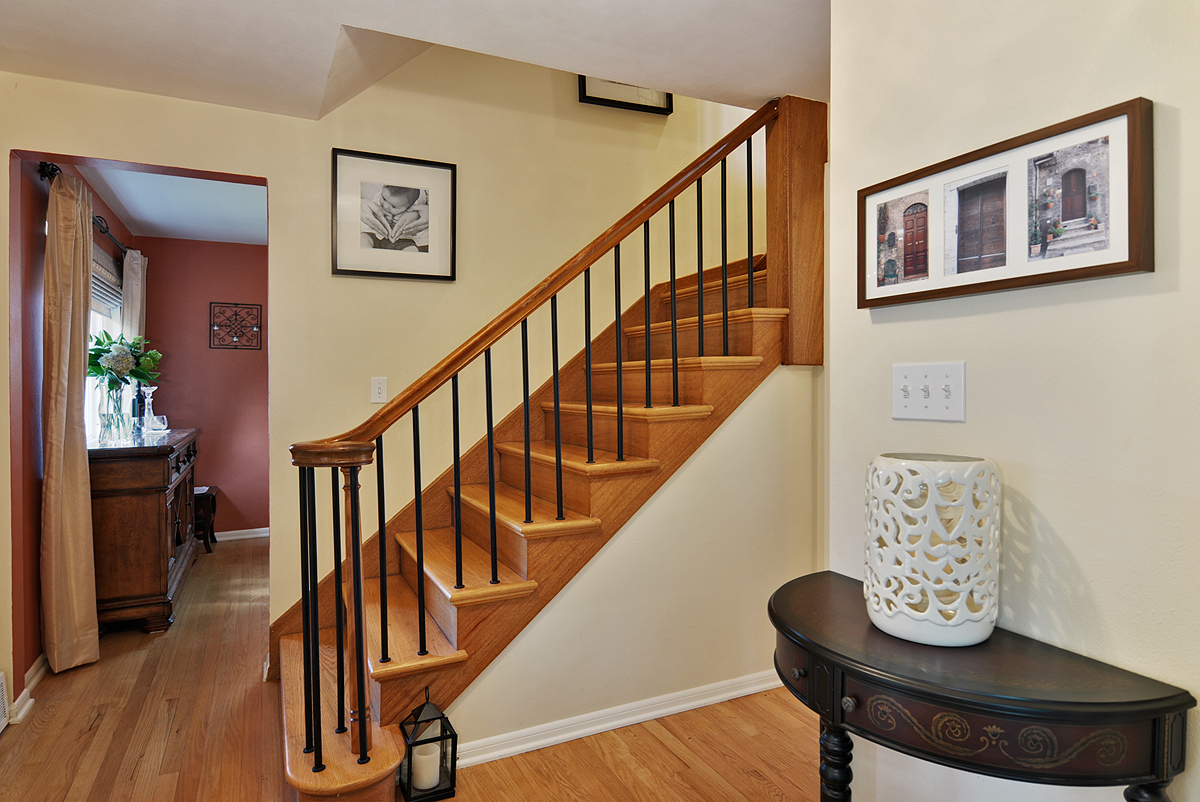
3,701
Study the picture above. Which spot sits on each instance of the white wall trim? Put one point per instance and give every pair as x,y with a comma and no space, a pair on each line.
554,732
243,534
24,703
39,669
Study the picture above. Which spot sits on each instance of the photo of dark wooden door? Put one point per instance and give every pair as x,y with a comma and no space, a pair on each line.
981,242
1074,203
916,241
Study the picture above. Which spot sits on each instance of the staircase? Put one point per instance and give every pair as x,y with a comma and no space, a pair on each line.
488,543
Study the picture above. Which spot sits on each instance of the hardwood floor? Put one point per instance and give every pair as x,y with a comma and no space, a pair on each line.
184,715
758,747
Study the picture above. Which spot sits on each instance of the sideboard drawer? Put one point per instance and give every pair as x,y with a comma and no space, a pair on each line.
793,665
991,743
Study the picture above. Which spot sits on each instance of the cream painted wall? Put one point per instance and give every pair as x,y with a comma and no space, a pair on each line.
539,176
1084,394
694,568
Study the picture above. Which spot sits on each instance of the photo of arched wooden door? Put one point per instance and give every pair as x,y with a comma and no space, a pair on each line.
916,241
981,226
1074,203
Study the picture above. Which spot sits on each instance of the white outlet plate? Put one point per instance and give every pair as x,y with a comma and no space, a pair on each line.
379,389
931,391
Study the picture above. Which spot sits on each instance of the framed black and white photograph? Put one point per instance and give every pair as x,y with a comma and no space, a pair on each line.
393,216
600,92
1068,202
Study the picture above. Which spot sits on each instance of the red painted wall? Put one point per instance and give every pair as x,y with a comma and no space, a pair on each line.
222,392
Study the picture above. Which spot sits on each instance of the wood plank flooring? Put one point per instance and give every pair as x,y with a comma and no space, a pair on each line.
184,715
173,717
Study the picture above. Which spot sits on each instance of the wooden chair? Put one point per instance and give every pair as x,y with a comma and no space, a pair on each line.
206,511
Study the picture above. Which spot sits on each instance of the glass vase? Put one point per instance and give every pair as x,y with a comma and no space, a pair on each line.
115,419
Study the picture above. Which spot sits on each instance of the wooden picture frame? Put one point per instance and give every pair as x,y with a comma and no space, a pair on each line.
393,217
1067,202
600,92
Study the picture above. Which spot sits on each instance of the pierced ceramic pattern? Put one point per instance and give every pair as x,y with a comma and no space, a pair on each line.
933,547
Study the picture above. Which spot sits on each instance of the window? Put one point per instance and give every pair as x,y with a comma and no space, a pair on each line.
105,316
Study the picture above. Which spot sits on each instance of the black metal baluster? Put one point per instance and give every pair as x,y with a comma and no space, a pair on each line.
360,646
420,520
646,304
700,266
674,314
558,469
587,359
458,558
491,455
724,263
749,223
525,387
620,341
382,536
307,637
339,604
314,616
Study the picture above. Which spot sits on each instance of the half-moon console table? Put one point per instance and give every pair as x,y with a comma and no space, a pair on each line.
1009,707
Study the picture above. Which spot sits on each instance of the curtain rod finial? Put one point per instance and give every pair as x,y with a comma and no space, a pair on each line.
48,171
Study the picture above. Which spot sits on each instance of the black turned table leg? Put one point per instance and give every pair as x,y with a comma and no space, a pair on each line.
836,748
1148,792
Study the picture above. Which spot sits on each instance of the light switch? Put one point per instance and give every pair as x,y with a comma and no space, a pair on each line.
379,389
934,391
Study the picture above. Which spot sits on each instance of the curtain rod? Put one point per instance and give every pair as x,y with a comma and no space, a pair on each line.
48,171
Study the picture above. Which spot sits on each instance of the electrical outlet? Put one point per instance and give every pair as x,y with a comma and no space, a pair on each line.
929,391
379,389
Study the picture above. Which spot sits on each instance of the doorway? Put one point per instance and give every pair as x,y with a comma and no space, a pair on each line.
916,241
1074,203
981,242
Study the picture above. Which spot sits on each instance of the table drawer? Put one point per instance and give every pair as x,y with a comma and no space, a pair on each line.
998,744
794,666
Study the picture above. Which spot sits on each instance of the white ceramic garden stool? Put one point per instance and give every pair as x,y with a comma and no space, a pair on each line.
933,547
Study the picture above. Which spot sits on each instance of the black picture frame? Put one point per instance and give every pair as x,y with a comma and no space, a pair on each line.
600,92
1073,201
393,217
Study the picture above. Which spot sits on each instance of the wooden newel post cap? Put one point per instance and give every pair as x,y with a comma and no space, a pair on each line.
319,454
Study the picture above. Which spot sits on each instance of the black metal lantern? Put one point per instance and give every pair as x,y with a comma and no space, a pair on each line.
430,754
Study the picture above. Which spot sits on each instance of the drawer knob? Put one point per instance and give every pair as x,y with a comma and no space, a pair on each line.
798,673
849,704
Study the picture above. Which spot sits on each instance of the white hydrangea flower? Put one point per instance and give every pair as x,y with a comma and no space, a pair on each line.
119,360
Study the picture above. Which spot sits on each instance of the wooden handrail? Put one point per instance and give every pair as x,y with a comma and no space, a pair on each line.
486,337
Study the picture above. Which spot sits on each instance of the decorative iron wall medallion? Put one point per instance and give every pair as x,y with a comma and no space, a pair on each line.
235,325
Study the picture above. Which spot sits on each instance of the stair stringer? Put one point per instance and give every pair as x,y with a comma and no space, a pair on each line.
490,628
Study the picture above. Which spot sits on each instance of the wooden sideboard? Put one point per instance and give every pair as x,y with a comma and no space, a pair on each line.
143,525
1010,707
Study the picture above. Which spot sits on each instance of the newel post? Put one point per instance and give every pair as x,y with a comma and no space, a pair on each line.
797,149
349,458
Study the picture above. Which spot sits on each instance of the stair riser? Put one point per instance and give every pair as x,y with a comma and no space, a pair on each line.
577,489
688,306
636,432
436,604
741,341
691,386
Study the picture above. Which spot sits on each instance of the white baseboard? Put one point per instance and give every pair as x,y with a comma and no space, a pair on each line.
243,534
23,704
527,740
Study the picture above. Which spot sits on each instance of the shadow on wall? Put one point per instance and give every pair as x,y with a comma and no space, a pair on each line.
1041,585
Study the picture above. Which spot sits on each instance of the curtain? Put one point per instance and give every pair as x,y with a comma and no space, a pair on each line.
70,635
133,295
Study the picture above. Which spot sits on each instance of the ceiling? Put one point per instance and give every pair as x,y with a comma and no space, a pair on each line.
304,58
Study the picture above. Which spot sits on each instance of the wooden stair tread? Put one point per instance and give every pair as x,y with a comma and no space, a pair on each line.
686,363
510,512
440,558
343,773
575,459
710,319
403,640
635,411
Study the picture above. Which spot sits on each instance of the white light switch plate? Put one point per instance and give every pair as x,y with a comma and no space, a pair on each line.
929,391
379,389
